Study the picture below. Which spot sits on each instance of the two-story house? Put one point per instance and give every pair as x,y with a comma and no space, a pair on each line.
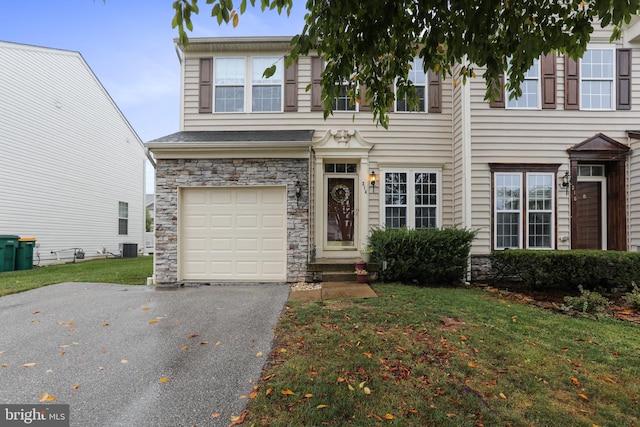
256,183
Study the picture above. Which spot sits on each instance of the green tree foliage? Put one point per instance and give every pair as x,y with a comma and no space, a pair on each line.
377,39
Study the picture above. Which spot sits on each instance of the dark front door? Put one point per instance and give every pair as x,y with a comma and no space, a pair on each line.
588,215
340,212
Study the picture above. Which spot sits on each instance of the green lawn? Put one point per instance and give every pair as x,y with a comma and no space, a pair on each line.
126,271
446,357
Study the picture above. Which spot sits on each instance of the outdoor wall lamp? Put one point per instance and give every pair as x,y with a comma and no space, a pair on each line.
298,190
372,180
566,181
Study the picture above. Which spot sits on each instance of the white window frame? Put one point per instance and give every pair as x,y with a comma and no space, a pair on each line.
410,205
611,80
217,85
514,104
123,215
279,62
523,210
417,68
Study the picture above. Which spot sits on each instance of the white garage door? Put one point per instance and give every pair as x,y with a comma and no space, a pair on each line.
233,234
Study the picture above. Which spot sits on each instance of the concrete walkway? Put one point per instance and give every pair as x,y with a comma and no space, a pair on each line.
134,356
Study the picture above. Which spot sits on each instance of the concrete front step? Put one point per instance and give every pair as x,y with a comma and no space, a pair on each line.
337,270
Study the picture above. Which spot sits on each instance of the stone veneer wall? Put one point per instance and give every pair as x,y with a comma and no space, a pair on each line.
175,173
481,270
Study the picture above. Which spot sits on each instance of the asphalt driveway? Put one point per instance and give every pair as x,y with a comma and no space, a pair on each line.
134,356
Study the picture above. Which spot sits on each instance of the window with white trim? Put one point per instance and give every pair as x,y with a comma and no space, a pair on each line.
344,102
530,98
123,218
229,81
528,197
418,78
411,199
266,92
597,78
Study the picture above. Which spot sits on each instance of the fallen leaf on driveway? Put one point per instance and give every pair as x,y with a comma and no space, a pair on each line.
46,397
153,321
259,354
164,379
28,365
105,324
144,307
4,365
184,348
215,415
75,387
192,336
124,361
236,421
204,342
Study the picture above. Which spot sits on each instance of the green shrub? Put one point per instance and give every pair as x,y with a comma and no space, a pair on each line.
633,297
566,270
423,256
587,302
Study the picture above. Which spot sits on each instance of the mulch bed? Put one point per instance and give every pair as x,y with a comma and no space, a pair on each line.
554,301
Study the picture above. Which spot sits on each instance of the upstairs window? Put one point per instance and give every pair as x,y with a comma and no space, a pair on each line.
597,76
123,218
419,80
266,93
530,98
229,80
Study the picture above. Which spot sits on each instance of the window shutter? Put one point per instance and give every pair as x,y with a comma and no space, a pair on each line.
316,83
291,87
435,92
548,67
364,106
571,84
498,102
205,93
623,83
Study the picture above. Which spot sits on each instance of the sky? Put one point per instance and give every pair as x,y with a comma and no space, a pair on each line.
129,46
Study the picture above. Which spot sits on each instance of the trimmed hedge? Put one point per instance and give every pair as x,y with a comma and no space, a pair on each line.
566,270
423,256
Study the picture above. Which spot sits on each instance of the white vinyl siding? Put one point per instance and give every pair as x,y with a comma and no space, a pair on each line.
68,156
535,206
418,78
597,79
411,199
530,98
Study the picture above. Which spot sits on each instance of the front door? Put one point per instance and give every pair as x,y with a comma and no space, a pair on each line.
341,209
588,215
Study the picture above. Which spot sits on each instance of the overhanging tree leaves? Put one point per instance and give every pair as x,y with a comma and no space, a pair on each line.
370,43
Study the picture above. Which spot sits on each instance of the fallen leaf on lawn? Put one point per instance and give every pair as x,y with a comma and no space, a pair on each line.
215,415
322,406
268,392
514,319
204,342
528,405
413,411
192,335
259,354
253,395
340,379
283,350
362,384
124,361
609,380
105,324
451,415
350,387
472,365
366,390
369,355
164,379
463,338
153,321
28,365
308,395
388,416
502,395
576,382
236,421
75,387
46,397
583,396
287,391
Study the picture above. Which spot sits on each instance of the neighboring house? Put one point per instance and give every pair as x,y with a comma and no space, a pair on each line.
149,239
256,185
71,166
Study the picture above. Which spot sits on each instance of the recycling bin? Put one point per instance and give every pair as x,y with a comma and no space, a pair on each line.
8,245
24,253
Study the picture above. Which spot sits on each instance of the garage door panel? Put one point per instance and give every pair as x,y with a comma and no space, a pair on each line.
233,234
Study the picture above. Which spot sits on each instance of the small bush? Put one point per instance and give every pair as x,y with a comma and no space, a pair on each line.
423,256
566,270
587,302
633,298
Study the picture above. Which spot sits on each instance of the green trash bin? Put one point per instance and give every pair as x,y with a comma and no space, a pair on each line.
8,245
24,253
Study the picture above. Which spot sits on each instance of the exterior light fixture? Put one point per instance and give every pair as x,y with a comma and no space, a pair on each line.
372,180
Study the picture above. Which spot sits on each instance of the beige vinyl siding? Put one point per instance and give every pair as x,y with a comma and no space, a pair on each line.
412,138
633,199
67,155
536,136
